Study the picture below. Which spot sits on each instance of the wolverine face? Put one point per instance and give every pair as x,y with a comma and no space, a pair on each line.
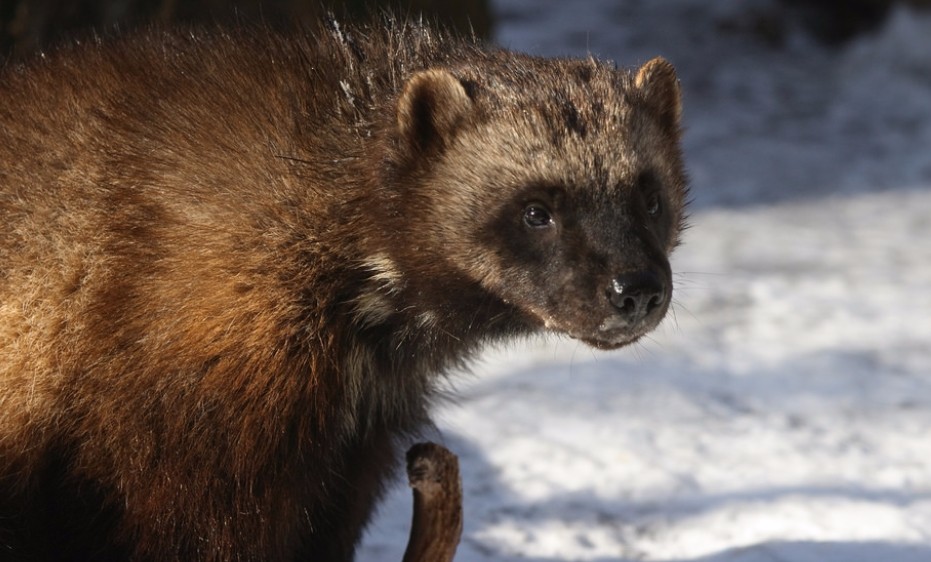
563,198
586,262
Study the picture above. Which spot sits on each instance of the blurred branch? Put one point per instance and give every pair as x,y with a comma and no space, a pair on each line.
29,25
433,472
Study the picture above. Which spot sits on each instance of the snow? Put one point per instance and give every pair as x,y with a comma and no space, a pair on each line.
783,412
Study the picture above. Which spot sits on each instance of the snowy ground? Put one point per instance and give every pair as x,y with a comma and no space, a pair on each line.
784,413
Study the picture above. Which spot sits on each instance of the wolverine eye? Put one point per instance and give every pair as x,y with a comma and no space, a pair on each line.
537,216
654,205
649,185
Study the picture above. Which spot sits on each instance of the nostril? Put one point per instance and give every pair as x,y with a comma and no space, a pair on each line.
654,303
637,294
628,306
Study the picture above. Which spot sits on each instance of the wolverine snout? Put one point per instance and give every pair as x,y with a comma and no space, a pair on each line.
637,295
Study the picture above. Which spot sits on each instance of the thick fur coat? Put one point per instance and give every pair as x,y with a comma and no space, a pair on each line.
233,266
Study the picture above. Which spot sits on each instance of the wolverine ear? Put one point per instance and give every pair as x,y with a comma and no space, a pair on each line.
432,104
660,86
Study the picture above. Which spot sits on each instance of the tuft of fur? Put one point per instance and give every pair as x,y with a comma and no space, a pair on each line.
233,265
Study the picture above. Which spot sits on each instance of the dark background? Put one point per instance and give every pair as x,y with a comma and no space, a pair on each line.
30,25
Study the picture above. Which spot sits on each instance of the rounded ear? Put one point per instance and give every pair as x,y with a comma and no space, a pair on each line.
660,87
430,108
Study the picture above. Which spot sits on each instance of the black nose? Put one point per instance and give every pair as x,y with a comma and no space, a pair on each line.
635,295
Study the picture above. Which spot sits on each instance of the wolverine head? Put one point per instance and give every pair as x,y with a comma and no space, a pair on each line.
555,185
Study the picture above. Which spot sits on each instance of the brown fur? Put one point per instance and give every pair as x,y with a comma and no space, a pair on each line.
233,265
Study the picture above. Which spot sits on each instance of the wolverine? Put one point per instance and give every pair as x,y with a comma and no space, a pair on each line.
235,265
